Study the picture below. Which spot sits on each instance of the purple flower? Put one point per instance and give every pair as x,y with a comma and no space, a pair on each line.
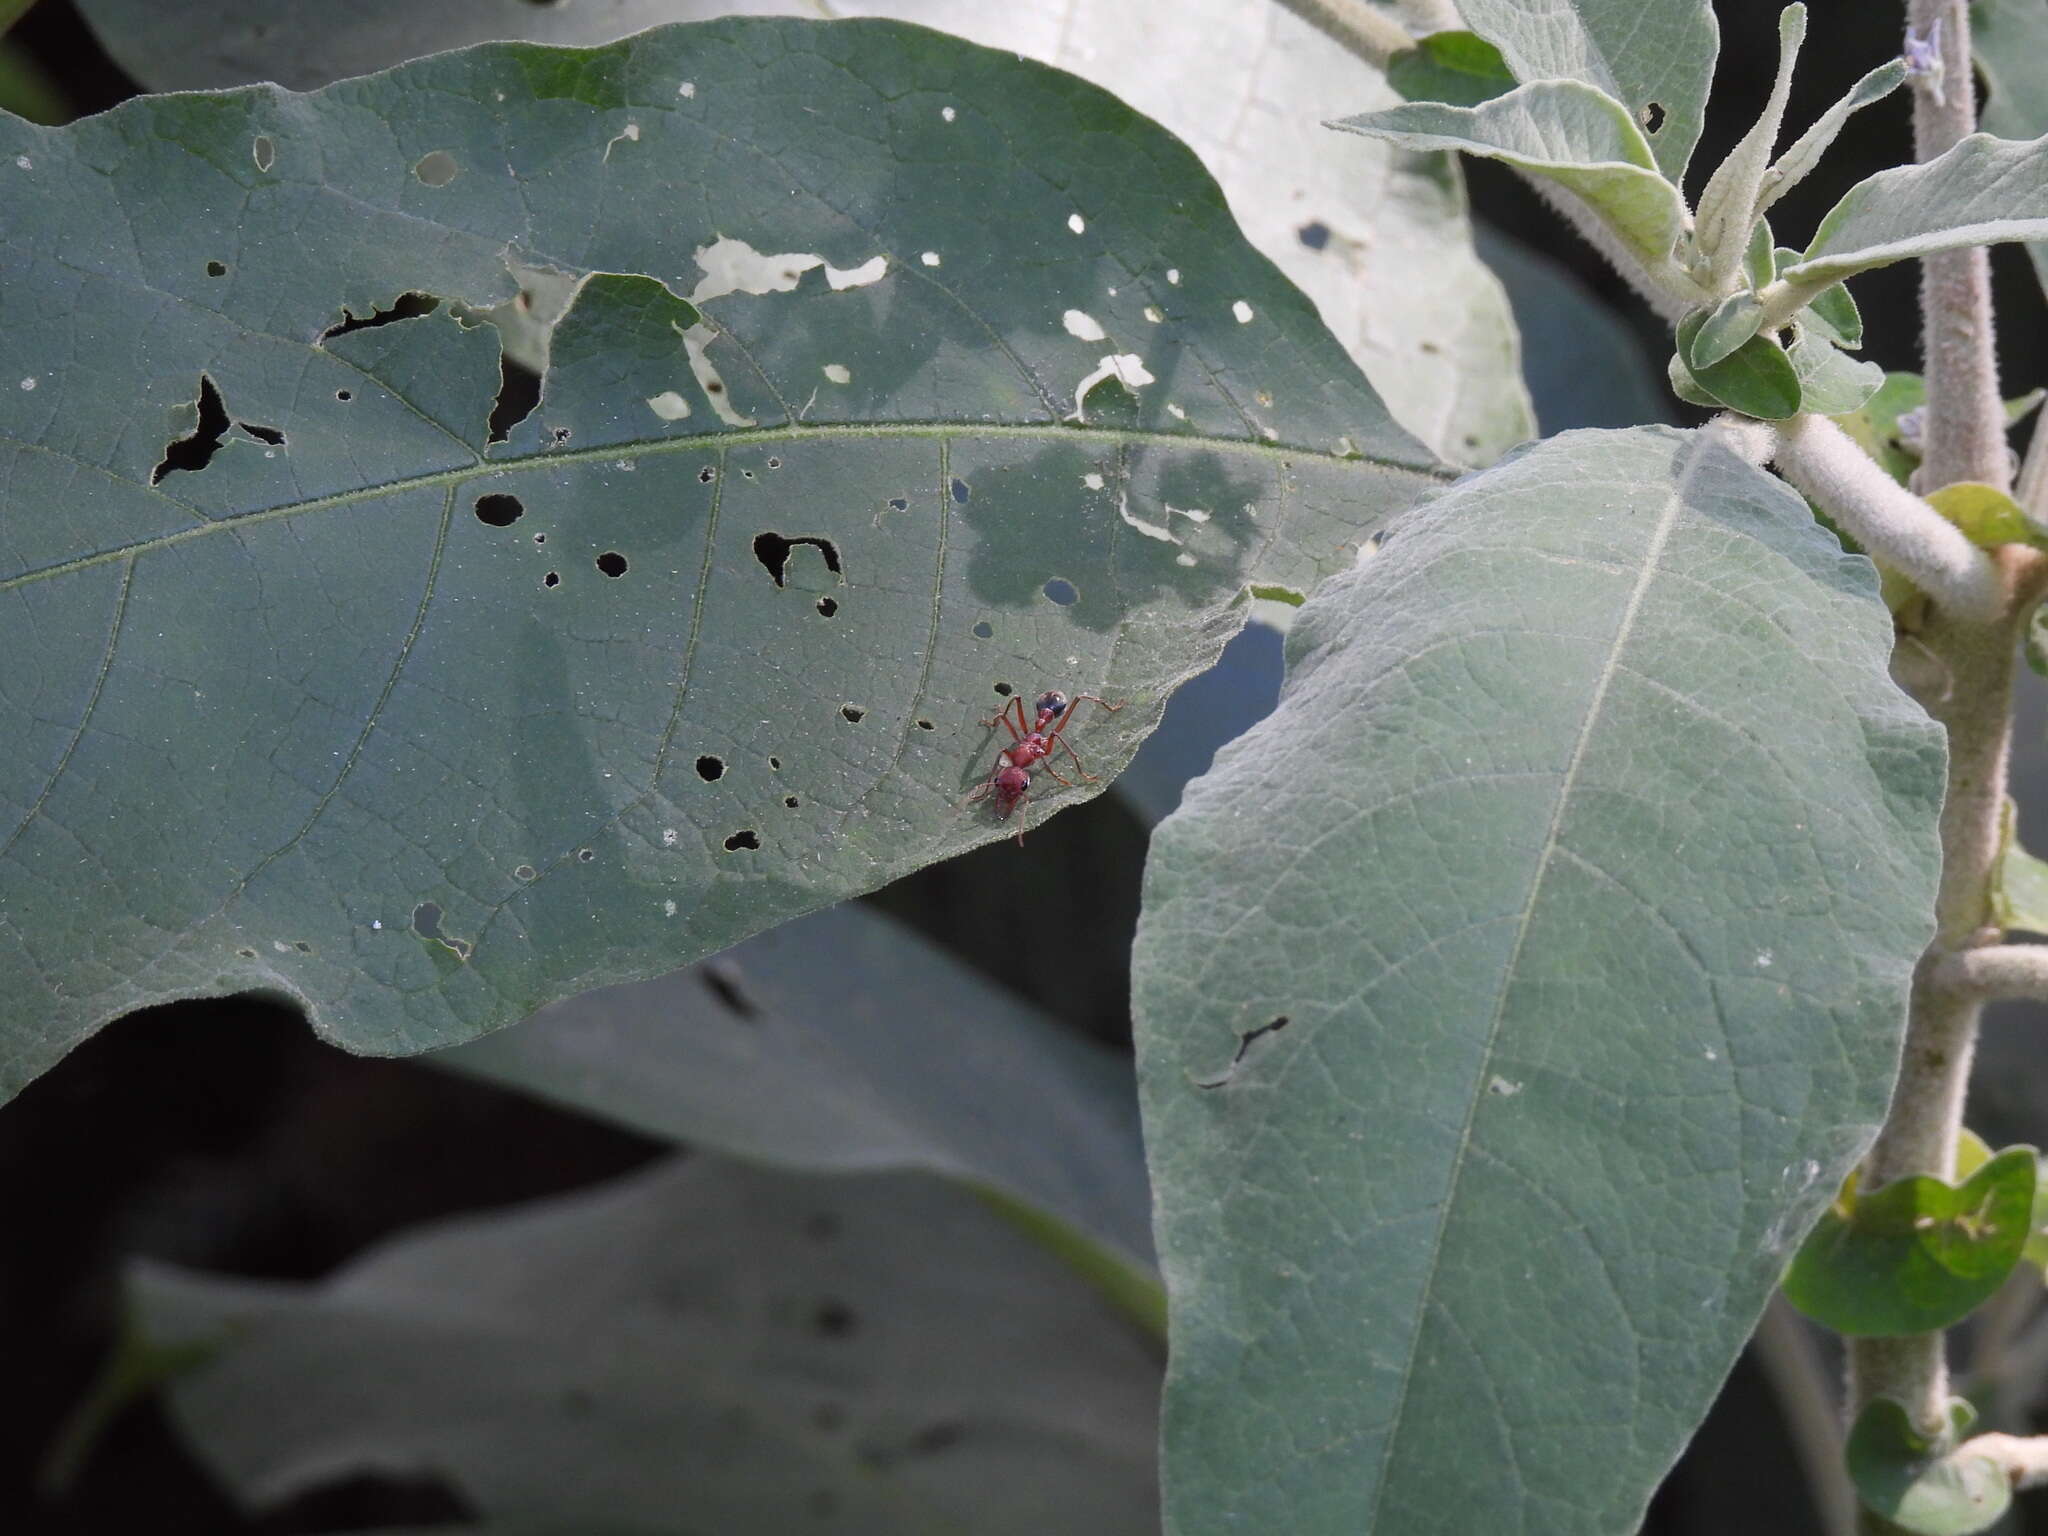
1923,57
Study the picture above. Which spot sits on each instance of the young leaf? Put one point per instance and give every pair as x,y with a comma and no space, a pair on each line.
1917,1255
1830,381
1381,240
1460,69
1447,994
1564,132
1797,162
1924,1486
2010,39
703,1346
1656,57
1834,314
1757,378
337,697
2019,896
1759,258
1982,192
1728,208
1988,515
1732,322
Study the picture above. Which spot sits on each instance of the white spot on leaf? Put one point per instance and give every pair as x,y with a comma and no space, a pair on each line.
1150,530
24,162
28,383
839,373
668,405
668,909
1092,480
668,837
687,89
1173,276
1083,326
947,113
1077,224
869,271
930,258
1152,314
1243,311
1183,559
1502,1088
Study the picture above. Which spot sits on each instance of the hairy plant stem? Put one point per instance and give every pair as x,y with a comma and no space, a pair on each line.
1965,440
1356,26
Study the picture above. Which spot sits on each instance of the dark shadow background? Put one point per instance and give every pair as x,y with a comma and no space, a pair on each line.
221,1134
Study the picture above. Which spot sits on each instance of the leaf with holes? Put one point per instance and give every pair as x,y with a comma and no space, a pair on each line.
1462,1036
775,1353
1561,131
426,709
1379,239
1656,57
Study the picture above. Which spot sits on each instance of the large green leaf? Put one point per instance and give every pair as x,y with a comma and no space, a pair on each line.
704,1347
1654,56
1380,240
1564,132
426,730
841,1043
1981,192
2010,39
1512,998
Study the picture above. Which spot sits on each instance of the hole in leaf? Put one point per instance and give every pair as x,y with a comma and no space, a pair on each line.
426,922
437,168
746,837
984,630
926,725
552,579
834,1319
1653,116
612,563
899,504
710,769
722,980
344,395
706,475
499,510
1004,689
263,152
585,855
407,306
194,451
216,269
540,538
518,394
271,435
1062,592
775,463
526,872
1244,1043
791,801
246,954
960,491
853,713
560,435
775,763
773,551
302,946
827,606
1315,234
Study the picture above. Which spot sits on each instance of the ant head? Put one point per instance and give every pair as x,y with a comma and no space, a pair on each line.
1052,703
1012,780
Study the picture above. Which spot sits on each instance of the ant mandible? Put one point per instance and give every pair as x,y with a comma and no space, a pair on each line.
1031,745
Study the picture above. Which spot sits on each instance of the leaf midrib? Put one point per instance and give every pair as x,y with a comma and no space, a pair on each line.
722,442
1595,704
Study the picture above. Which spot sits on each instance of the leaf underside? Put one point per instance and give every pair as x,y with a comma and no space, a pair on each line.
1485,1096
319,688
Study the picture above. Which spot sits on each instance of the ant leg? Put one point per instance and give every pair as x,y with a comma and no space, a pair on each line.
1080,766
1046,764
1017,731
1074,703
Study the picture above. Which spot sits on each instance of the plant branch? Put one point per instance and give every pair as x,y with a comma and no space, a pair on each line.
1965,418
1373,36
1888,520
2023,1458
1991,974
1426,16
1965,441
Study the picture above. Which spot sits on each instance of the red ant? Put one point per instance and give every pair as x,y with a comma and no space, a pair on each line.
1010,782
